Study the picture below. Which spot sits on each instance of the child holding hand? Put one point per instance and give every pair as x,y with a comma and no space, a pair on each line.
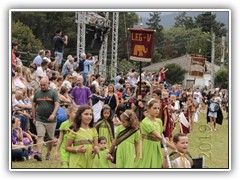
100,160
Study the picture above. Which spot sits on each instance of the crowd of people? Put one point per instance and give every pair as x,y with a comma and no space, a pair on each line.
116,125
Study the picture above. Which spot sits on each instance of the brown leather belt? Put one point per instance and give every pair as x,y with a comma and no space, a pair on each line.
81,142
151,138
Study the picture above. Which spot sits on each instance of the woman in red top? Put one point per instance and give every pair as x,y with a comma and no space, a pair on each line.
162,74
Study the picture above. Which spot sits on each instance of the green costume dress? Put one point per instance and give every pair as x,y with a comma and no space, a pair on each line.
126,150
82,138
101,161
64,155
151,147
105,130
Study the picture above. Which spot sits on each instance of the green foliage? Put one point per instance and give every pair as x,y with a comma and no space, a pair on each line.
25,38
175,73
45,24
207,22
125,65
221,78
199,43
154,24
182,20
176,41
126,20
157,57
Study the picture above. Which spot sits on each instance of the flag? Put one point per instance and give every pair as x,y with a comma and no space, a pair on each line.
141,44
197,66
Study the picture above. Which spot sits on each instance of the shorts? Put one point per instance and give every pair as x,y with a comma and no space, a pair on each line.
212,114
60,57
46,128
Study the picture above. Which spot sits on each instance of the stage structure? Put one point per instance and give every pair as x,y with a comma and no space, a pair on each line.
93,29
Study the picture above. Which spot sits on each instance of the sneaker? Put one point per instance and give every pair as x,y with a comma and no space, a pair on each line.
38,157
23,159
48,156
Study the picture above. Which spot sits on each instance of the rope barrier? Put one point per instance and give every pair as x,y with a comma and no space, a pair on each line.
31,145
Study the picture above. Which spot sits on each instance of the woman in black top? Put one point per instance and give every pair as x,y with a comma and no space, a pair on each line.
111,98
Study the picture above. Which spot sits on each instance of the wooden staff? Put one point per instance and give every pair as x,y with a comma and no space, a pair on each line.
86,139
165,148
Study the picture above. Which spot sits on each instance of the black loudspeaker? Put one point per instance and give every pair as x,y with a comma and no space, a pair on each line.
94,38
198,163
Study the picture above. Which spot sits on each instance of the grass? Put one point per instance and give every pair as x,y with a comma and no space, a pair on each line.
214,146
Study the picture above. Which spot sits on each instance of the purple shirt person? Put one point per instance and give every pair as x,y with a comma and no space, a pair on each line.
80,93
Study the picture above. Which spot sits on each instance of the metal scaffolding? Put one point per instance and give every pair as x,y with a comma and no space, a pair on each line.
81,32
114,45
103,54
93,19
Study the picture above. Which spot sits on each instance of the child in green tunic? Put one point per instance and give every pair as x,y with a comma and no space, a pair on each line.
82,140
105,126
127,141
100,161
151,129
64,155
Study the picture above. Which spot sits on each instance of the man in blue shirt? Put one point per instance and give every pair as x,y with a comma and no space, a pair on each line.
38,59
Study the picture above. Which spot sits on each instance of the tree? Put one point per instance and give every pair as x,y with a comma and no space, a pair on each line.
175,73
177,40
126,20
45,24
154,24
207,22
25,38
221,78
199,43
184,21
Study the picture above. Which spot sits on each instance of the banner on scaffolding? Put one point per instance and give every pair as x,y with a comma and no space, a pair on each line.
197,66
141,44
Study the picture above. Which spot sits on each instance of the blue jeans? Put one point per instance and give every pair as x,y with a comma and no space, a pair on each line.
60,57
18,154
85,80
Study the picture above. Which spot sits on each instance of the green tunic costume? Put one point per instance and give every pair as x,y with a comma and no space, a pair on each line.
101,161
64,155
82,138
126,150
151,148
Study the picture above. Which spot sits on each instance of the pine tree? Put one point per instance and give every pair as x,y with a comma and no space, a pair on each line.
154,24
182,20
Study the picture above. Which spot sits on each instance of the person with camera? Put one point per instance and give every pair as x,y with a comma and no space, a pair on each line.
59,42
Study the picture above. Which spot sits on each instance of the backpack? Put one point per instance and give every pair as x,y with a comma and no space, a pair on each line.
81,65
61,116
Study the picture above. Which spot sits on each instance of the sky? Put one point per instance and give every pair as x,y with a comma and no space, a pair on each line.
146,14
123,4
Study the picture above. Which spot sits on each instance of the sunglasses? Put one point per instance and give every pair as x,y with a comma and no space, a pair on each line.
33,67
